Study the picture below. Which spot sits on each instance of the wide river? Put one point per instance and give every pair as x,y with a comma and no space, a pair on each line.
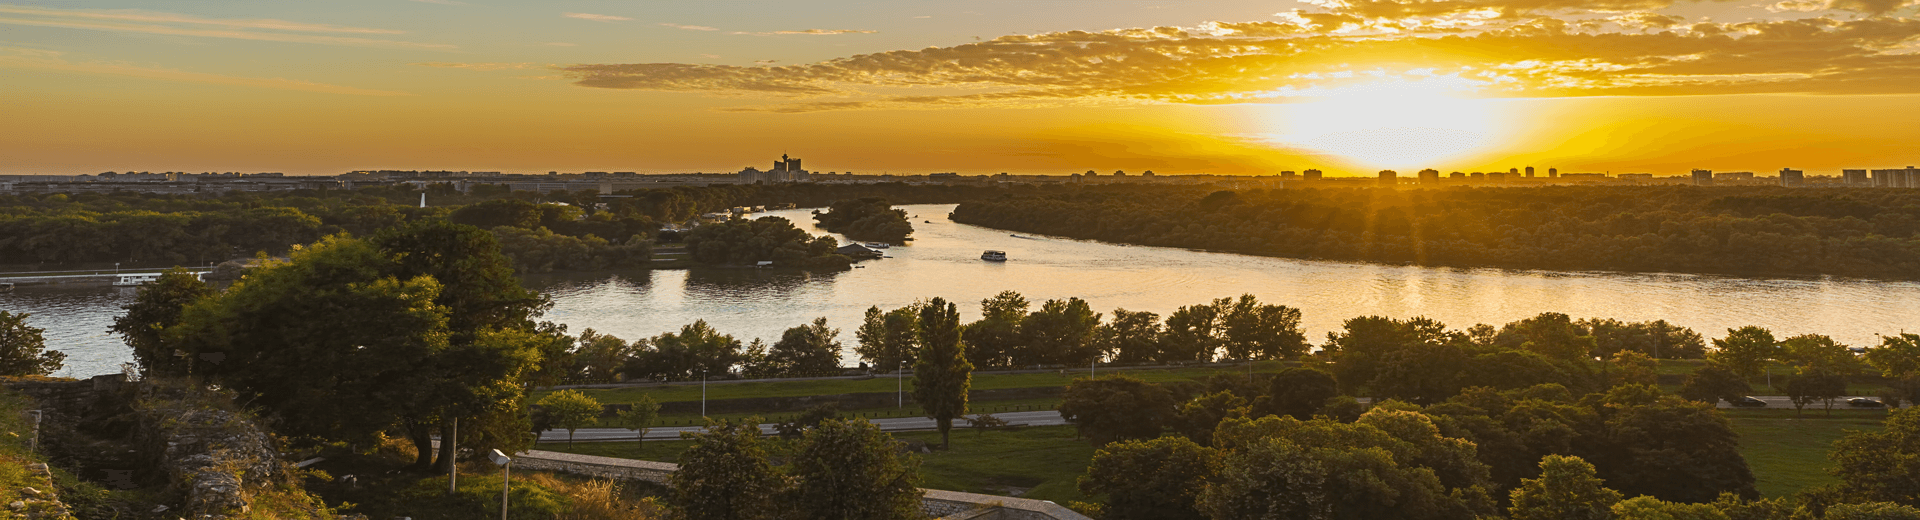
944,260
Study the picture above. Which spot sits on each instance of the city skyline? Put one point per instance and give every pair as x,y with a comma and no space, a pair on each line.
1178,87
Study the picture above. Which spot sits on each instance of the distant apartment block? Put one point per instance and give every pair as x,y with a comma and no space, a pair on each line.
1792,178
1389,178
1312,175
1430,176
1703,177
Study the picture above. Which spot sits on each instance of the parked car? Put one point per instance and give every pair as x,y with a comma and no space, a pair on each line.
1749,402
1865,402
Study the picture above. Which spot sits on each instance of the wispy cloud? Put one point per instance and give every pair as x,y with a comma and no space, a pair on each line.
37,59
826,31
480,66
690,27
172,24
1305,56
132,15
596,17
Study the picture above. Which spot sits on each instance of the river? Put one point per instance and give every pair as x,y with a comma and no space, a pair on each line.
944,260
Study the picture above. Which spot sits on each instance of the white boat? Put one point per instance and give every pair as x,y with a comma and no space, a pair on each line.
994,256
128,280
877,245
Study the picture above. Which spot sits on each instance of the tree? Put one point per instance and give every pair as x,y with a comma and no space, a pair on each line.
1714,382
848,468
1198,417
1191,334
1673,449
1897,357
157,306
1362,347
639,418
1635,368
1151,479
993,341
571,410
1566,490
1550,334
1872,511
1649,508
328,344
1252,330
1745,350
1421,373
1810,387
1815,353
1132,337
1387,465
725,475
1114,408
869,218
806,350
602,355
887,339
941,372
1299,393
1881,466
487,311
696,351
1060,333
23,349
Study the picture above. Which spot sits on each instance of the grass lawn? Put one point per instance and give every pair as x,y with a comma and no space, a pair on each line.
1789,454
1044,461
1010,405
883,384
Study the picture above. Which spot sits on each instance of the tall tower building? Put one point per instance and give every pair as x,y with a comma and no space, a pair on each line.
1389,178
1703,177
1792,178
1312,175
1529,172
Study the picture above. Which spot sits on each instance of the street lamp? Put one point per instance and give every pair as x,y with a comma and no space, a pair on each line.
506,478
899,387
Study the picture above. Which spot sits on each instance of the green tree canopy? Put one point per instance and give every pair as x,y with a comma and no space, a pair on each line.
571,410
1060,333
725,476
1745,350
155,307
806,350
1153,479
849,469
1566,490
1881,466
889,339
941,372
993,341
1113,408
23,349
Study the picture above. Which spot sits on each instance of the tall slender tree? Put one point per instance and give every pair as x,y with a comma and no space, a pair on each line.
941,372
158,306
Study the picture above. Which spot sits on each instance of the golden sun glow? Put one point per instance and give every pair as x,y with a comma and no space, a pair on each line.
1390,122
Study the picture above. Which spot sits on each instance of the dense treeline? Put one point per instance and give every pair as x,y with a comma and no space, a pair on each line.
871,218
1852,232
555,231
766,239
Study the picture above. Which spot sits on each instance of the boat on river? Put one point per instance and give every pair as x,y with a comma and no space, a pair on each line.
130,280
877,245
994,256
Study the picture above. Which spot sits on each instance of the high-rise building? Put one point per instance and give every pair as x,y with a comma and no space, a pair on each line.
1529,172
1457,176
1703,177
1553,173
1312,175
1792,178
1477,177
1429,176
1389,178
1856,178
1890,178
1289,175
1497,178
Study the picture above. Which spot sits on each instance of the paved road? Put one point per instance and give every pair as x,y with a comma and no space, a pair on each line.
1035,418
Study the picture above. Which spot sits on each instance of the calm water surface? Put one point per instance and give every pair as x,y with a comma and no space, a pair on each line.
944,261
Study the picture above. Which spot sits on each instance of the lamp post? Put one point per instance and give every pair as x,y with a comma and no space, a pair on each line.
703,394
453,466
506,478
899,387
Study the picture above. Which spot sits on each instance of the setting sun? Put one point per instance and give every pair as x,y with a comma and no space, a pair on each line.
1392,122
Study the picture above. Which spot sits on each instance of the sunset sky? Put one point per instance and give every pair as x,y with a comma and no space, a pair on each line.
983,86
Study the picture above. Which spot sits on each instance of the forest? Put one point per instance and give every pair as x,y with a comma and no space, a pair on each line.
541,232
1731,230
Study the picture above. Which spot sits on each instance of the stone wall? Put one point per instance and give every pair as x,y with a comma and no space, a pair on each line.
950,505
214,456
